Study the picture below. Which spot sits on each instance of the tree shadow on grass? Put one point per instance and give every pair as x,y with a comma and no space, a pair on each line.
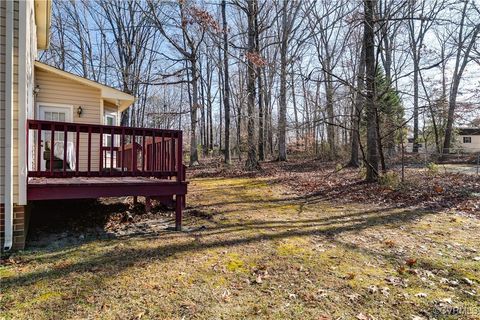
115,260
122,258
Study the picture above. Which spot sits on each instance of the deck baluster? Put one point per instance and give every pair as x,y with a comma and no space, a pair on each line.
89,153
143,152
134,154
52,147
153,155
172,153
111,150
77,150
100,162
39,148
122,160
64,149
162,153
180,176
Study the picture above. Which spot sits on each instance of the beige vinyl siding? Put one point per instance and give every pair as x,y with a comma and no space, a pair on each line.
15,103
55,89
2,96
473,146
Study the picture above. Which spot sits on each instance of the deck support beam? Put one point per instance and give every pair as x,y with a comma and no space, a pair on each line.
178,212
148,204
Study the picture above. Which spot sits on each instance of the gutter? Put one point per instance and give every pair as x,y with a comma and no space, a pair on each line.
8,195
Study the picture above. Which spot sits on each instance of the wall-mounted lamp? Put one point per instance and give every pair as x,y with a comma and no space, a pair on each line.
79,111
36,90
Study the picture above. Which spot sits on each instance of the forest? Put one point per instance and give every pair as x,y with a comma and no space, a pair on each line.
258,80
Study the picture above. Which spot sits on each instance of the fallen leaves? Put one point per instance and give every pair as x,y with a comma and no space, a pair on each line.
390,243
434,191
350,276
362,316
411,262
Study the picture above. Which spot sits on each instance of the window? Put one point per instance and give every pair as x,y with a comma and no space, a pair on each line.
54,113
467,139
54,116
110,120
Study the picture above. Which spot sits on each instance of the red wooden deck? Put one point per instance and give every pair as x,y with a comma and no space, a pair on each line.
135,162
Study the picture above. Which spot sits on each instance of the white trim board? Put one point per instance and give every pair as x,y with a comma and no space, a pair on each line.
22,104
53,106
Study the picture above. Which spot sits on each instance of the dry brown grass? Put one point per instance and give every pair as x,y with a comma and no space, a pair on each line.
265,252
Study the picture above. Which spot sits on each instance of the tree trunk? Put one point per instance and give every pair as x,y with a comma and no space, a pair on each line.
226,91
357,110
415,103
295,109
209,106
282,119
451,115
193,114
372,147
261,123
251,162
330,114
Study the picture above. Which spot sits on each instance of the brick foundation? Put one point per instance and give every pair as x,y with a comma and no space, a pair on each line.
19,226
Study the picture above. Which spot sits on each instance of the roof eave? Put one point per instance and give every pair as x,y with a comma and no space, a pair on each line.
43,12
121,99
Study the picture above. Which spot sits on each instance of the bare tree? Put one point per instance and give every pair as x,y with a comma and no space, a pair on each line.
420,20
187,45
226,83
289,14
252,54
372,148
467,37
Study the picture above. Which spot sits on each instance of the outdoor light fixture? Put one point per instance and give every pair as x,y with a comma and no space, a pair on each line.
36,90
79,111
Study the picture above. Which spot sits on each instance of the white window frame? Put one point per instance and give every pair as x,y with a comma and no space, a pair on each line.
54,107
106,136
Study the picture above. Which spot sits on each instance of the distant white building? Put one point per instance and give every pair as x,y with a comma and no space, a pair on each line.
468,140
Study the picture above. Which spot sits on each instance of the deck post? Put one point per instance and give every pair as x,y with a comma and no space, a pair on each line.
178,212
148,204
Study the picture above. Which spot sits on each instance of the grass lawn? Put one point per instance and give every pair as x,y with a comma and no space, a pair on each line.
263,252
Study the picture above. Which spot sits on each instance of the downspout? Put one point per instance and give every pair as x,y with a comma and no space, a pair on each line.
8,196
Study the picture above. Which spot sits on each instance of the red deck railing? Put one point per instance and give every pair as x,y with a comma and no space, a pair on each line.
91,150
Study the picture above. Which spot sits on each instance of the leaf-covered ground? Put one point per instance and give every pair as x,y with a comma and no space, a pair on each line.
265,247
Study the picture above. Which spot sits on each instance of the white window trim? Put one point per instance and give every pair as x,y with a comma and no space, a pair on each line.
112,114
54,106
